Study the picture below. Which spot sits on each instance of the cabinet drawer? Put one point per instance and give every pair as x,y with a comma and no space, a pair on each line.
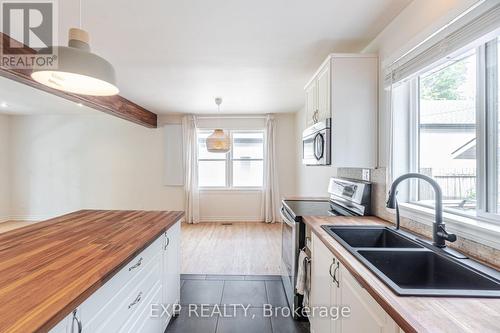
112,315
141,271
142,320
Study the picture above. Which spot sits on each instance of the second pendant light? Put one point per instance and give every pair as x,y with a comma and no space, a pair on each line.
218,141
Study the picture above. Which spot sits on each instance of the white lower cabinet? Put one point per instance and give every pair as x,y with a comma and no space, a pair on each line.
124,303
171,271
333,286
323,293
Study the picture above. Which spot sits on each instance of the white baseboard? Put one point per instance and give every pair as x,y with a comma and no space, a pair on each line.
30,217
231,219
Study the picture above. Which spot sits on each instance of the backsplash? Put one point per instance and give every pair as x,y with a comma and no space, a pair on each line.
472,248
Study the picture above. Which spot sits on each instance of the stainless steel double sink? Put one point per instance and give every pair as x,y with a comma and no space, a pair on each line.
412,267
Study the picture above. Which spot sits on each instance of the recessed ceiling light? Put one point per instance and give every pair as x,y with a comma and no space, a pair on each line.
80,104
4,104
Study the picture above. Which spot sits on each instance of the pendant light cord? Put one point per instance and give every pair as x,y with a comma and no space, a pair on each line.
80,8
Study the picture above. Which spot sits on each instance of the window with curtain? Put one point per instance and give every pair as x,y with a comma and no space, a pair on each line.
242,167
453,131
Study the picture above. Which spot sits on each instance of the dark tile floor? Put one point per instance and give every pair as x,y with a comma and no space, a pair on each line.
207,305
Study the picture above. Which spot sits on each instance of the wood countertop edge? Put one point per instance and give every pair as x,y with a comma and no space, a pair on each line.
397,313
64,311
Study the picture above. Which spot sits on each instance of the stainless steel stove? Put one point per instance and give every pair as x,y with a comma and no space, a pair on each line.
348,197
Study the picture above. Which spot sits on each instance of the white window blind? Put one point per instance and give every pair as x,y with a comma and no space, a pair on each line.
471,26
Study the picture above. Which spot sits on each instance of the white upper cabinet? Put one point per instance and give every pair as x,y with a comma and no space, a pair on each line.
311,102
324,96
345,88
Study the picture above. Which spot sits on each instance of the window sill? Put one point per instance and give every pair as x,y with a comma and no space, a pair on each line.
475,229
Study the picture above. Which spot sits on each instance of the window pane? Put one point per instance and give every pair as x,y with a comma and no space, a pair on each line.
247,173
202,148
248,145
212,173
447,133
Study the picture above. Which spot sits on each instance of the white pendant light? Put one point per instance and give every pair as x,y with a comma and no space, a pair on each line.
218,141
78,70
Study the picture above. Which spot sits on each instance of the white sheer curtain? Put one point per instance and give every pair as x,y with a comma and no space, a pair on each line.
192,195
270,202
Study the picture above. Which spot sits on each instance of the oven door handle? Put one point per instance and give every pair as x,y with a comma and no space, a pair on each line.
285,218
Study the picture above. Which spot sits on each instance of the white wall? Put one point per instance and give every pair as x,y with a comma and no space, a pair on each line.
64,163
311,180
4,167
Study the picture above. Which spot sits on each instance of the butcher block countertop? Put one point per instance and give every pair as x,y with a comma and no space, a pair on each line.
49,268
412,314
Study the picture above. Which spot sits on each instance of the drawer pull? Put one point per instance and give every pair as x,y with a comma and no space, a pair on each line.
335,275
168,243
137,300
137,264
330,270
78,322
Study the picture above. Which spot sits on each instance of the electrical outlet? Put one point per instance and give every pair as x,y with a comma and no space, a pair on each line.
366,174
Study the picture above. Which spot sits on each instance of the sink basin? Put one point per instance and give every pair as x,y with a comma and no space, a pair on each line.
413,268
423,272
378,237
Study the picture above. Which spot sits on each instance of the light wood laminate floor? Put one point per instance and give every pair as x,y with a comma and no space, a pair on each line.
244,248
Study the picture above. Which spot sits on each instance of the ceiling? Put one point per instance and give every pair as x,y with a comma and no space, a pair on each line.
177,56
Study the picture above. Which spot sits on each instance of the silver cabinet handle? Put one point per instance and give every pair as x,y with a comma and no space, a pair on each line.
168,242
316,116
136,300
331,265
335,275
78,322
137,264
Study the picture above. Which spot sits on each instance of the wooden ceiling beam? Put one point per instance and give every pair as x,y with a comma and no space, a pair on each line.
117,105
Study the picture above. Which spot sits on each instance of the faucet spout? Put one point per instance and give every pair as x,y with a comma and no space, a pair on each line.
438,229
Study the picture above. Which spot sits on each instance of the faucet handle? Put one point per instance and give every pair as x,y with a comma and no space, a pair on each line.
442,233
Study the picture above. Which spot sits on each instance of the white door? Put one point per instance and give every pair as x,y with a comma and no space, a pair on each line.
311,102
323,87
171,268
321,285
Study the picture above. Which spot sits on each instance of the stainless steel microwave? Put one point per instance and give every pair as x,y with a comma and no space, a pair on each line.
316,143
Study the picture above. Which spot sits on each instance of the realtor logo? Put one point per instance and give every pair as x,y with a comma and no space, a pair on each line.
32,24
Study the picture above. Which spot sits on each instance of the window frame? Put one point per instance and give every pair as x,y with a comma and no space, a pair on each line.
229,162
486,143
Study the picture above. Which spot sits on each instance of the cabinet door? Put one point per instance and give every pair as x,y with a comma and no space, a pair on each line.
311,102
321,285
335,295
323,87
366,315
64,326
171,268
